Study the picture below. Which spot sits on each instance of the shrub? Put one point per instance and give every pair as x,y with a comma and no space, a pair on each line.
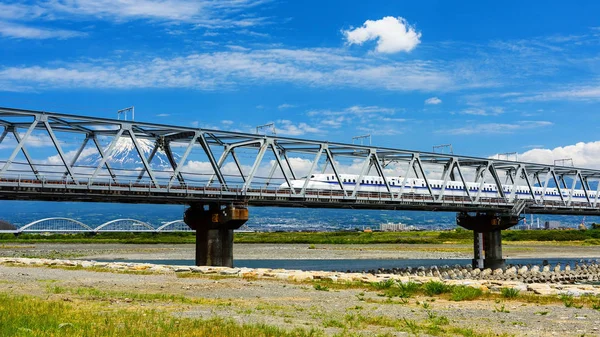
403,290
464,293
436,288
321,288
383,284
509,292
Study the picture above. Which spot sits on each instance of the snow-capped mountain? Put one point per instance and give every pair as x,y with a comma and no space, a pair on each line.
125,155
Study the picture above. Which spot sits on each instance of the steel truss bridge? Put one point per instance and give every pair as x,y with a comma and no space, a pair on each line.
60,157
68,225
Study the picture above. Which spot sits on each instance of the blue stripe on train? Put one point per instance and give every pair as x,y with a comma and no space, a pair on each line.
439,188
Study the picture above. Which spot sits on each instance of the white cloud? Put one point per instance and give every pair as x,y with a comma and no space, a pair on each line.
393,35
15,11
286,106
14,30
335,122
286,127
354,110
226,70
163,115
586,155
212,14
177,10
433,101
497,128
485,111
358,109
577,93
226,122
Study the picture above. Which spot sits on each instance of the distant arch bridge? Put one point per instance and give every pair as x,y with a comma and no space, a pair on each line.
68,225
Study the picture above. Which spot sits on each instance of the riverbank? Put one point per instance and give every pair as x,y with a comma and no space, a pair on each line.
72,297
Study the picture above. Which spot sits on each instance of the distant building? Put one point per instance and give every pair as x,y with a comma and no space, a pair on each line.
552,224
396,227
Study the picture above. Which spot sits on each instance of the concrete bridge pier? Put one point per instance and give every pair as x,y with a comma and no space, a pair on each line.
214,225
487,236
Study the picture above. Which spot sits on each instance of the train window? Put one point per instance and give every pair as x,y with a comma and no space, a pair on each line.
327,178
312,176
344,180
353,180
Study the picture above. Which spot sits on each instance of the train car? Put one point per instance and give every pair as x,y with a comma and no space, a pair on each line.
328,182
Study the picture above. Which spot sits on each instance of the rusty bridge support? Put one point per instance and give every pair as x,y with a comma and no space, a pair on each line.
214,225
487,236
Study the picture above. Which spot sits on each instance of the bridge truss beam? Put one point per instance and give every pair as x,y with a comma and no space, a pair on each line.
207,166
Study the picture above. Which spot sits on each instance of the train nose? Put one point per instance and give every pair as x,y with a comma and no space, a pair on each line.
284,185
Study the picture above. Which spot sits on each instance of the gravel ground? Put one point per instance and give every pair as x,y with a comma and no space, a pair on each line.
289,304
291,251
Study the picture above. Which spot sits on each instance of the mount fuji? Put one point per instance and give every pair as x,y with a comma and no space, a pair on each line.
125,155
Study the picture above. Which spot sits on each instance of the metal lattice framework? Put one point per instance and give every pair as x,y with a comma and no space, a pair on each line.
174,226
184,165
55,225
129,225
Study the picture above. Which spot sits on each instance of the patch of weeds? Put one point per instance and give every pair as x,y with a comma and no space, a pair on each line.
464,293
542,313
569,301
312,247
321,287
509,292
411,325
31,316
332,323
502,308
383,284
518,324
402,290
465,332
435,288
55,289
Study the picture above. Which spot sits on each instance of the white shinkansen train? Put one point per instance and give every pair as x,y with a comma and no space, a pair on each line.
328,182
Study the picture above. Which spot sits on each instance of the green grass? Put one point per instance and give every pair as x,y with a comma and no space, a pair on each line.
436,288
97,294
464,293
30,316
509,293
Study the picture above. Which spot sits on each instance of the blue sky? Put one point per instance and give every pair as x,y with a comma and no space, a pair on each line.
486,77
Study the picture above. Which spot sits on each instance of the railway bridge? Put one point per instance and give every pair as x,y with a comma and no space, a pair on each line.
61,157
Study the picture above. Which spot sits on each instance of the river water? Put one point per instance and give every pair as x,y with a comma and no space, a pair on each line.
355,265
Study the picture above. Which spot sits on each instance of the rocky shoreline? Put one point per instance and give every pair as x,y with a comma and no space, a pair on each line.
542,280
583,271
